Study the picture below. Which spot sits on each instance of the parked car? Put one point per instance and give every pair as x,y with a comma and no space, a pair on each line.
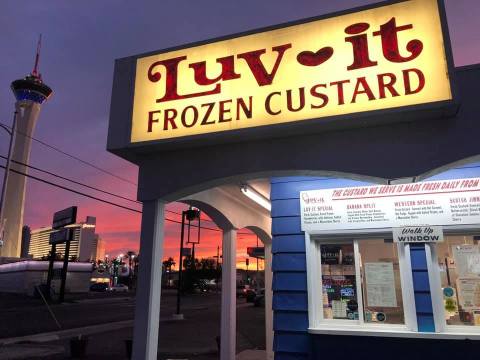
99,287
250,294
242,290
118,288
212,285
259,298
204,285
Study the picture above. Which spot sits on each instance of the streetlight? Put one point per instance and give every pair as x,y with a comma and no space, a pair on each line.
12,134
190,215
130,272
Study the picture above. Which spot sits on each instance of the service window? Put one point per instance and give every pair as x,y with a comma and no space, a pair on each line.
459,262
361,282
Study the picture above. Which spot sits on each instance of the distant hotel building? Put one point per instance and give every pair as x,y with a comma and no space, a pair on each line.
99,246
83,247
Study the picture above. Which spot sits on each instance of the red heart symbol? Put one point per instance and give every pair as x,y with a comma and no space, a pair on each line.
309,58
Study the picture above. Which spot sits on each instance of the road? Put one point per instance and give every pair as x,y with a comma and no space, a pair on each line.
26,320
196,334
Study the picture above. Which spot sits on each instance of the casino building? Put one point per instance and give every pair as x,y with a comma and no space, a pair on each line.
356,142
83,247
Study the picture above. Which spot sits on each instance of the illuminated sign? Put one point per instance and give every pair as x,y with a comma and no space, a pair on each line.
380,58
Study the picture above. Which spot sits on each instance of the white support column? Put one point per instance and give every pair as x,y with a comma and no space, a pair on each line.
268,301
228,328
147,304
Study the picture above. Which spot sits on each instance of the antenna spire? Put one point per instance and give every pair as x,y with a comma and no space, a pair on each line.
37,58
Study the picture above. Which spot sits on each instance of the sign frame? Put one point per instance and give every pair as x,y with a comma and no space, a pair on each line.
64,217
61,236
120,124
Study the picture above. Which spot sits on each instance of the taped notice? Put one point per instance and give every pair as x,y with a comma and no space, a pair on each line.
467,259
339,309
380,283
473,264
469,293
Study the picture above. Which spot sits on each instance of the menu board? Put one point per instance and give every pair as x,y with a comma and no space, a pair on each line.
447,202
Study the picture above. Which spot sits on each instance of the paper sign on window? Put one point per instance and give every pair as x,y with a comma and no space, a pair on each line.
380,285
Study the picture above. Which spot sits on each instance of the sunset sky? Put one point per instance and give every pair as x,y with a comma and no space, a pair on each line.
81,40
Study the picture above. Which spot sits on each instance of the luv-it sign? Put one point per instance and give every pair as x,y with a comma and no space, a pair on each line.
380,58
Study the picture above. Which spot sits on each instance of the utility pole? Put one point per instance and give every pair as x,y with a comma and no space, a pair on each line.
256,275
179,287
190,214
218,256
217,268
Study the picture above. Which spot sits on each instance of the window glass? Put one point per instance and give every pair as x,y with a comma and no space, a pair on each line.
381,284
339,282
381,300
459,260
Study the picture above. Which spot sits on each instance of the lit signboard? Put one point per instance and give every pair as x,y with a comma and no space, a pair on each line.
380,58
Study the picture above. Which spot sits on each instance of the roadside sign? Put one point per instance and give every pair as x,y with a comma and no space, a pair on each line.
256,252
187,252
64,217
60,236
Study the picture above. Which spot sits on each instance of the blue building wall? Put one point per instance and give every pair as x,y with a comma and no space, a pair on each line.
290,304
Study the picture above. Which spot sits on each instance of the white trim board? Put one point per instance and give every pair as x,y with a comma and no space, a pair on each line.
391,332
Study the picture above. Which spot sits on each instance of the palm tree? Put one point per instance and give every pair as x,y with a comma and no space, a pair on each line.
167,268
168,264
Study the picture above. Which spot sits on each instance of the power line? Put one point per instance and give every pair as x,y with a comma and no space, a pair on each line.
72,190
84,162
85,185
73,156
96,198
91,187
71,180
